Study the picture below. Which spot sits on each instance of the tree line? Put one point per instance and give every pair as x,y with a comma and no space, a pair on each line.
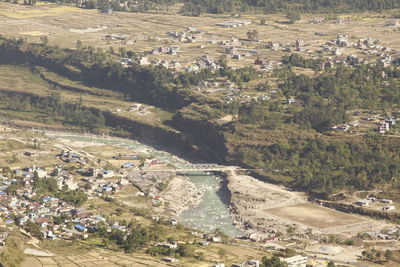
71,113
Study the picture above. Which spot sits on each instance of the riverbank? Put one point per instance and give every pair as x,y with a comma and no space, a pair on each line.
199,199
251,197
181,195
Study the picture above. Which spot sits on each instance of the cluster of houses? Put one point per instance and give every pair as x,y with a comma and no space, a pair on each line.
172,50
370,200
391,23
267,66
235,95
215,86
383,126
26,206
317,20
99,182
368,45
285,47
116,37
387,234
203,62
27,175
144,61
191,35
71,157
234,24
295,261
142,109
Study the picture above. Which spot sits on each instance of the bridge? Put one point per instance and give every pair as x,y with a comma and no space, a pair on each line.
202,168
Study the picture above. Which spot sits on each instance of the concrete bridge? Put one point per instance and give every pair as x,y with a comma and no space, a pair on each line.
201,168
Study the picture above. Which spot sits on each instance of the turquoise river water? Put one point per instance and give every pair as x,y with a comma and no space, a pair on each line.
211,213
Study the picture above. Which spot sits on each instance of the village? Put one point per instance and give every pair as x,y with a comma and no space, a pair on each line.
48,217
58,218
58,188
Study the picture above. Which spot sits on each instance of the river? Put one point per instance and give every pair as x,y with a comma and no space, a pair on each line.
211,213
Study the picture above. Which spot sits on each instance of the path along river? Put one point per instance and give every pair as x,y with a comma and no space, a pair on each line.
211,213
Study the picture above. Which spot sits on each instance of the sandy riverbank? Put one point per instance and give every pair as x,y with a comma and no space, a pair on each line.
251,197
267,209
181,195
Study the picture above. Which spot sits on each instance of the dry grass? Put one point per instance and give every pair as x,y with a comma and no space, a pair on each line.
23,80
314,216
42,10
57,22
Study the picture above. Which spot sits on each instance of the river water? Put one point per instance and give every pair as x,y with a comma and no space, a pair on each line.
211,213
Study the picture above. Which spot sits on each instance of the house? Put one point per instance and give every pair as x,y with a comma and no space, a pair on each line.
391,23
167,245
80,213
80,228
168,259
30,153
234,24
3,237
70,184
291,100
342,40
175,65
295,261
203,243
259,61
362,203
299,44
252,263
337,52
387,208
249,263
41,173
43,222
218,265
392,121
317,20
215,239
343,127
107,174
144,61
126,61
237,56
127,165
383,127
135,107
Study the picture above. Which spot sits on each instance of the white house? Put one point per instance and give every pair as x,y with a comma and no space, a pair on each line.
296,261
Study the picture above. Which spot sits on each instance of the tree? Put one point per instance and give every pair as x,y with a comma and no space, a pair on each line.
44,39
252,34
79,45
122,51
274,261
293,15
364,253
388,255
262,21
34,229
185,250
222,253
331,264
